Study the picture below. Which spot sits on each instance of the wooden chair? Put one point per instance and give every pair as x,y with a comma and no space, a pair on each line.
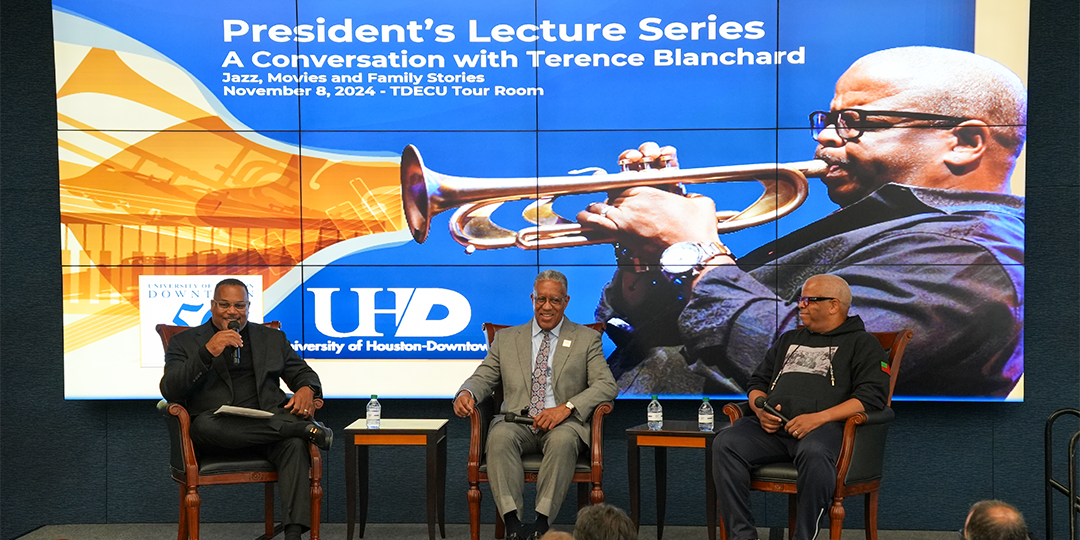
862,454
588,475
192,471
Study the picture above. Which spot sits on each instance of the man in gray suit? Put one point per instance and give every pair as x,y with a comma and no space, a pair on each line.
555,369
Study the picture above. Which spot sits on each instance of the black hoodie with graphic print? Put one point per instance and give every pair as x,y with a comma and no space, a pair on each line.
806,372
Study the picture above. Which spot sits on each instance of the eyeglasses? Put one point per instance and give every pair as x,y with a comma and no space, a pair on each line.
808,299
555,302
226,305
851,123
962,535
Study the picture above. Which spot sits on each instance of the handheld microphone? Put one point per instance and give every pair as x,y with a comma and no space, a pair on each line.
762,404
519,419
234,325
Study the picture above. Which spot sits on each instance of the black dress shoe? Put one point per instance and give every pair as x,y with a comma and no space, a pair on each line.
320,435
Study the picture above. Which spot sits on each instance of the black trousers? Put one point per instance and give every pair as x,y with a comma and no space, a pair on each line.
224,434
746,446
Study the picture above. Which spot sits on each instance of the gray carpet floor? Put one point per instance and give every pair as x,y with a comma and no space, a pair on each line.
385,531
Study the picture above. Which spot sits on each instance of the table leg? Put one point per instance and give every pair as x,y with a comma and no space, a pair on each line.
710,491
350,489
362,484
661,490
441,490
432,462
633,453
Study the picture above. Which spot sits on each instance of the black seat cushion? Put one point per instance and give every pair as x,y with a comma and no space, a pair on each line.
232,464
775,472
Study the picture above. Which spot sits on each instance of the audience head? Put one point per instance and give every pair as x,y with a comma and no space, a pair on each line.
995,520
604,522
552,534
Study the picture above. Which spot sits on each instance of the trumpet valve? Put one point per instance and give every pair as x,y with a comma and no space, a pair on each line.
659,162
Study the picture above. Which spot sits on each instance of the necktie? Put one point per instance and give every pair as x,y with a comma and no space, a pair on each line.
540,377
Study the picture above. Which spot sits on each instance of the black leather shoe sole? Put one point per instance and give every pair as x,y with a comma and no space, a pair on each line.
321,435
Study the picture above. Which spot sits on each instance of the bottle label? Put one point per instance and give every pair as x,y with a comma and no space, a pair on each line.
705,418
373,415
656,417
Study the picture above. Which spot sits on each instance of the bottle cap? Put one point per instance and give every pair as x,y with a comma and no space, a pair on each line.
706,398
654,396
373,396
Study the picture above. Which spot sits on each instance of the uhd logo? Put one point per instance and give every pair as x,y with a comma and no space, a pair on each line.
411,310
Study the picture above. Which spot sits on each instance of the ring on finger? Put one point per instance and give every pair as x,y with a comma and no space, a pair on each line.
607,208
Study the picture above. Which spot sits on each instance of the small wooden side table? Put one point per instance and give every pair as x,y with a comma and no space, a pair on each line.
675,434
395,432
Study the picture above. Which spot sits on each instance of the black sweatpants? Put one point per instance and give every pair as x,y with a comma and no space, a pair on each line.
745,446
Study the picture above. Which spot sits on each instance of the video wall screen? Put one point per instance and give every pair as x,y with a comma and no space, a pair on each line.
387,176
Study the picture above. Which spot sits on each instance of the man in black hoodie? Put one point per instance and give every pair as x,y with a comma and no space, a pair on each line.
815,376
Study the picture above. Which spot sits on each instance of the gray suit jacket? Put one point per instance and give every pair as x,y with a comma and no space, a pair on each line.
579,372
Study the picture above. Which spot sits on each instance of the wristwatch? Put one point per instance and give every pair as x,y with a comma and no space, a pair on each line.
569,406
683,261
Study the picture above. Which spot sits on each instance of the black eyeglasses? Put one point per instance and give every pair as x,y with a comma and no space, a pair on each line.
808,299
226,305
851,123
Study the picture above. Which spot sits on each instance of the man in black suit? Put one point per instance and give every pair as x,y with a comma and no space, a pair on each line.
212,365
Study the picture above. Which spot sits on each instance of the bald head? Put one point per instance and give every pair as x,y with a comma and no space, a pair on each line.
952,83
832,286
829,307
995,520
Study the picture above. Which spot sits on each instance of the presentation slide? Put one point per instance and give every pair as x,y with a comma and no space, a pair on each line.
388,176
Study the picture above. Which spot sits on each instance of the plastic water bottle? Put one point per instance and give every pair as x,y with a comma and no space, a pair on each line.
705,416
374,412
656,415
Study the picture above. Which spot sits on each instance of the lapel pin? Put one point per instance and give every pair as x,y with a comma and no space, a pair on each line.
566,343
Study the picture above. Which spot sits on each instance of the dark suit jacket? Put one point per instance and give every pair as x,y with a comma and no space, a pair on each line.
579,372
199,388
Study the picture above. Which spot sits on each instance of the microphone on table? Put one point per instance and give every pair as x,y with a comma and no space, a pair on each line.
519,418
762,404
234,325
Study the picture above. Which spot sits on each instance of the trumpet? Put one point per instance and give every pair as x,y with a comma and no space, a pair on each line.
425,193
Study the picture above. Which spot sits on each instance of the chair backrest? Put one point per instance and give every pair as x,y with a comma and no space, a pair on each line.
894,344
167,331
491,328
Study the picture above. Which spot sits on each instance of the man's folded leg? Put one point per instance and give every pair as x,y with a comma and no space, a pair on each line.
234,432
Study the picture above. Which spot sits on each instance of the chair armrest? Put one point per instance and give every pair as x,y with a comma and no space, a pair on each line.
479,423
862,454
877,417
597,459
735,411
181,450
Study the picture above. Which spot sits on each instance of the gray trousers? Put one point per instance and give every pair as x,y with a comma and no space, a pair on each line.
507,442
223,434
745,445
